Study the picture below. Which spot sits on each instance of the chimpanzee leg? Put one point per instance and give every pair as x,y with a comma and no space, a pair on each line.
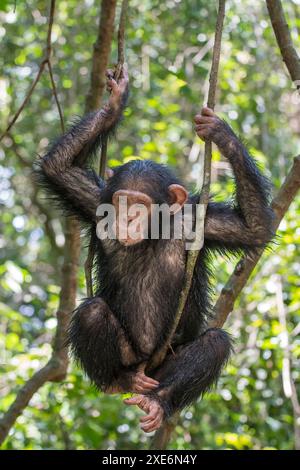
99,343
183,377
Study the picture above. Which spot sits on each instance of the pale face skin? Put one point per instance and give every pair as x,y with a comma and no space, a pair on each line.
134,209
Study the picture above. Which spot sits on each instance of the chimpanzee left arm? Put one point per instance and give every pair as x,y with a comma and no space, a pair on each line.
249,224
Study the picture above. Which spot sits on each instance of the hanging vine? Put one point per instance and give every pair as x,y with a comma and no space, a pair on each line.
163,435
204,196
88,266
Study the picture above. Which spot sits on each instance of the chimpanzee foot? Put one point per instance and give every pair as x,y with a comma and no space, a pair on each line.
154,418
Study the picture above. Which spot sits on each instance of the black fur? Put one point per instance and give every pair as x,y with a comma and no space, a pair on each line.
138,287
90,328
193,371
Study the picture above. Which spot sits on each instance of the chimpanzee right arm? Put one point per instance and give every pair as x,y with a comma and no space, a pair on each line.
64,171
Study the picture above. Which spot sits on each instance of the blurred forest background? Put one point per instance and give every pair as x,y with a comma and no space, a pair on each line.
169,46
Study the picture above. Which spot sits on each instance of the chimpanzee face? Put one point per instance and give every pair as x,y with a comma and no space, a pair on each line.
134,209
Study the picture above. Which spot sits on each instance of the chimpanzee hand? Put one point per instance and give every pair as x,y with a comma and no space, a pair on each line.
154,412
136,382
141,383
118,89
210,127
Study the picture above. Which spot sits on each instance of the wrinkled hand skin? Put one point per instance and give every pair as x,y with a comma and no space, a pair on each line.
209,127
154,412
118,90
139,383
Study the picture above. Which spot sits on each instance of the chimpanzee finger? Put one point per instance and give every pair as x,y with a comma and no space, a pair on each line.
148,428
152,425
203,119
143,385
109,173
152,415
139,402
205,111
146,386
112,84
154,422
110,73
148,424
150,386
145,378
200,128
200,131
131,401
140,381
139,389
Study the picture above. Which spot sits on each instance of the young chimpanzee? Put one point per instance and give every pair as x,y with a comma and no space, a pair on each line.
115,334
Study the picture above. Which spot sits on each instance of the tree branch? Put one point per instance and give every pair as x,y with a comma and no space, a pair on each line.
121,36
103,61
284,39
49,230
46,60
290,187
245,266
54,91
56,368
163,434
121,60
23,397
42,209
101,54
25,101
288,383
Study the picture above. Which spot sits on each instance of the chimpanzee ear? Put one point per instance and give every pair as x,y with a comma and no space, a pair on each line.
179,196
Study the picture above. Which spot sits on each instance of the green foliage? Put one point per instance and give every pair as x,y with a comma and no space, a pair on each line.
249,409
